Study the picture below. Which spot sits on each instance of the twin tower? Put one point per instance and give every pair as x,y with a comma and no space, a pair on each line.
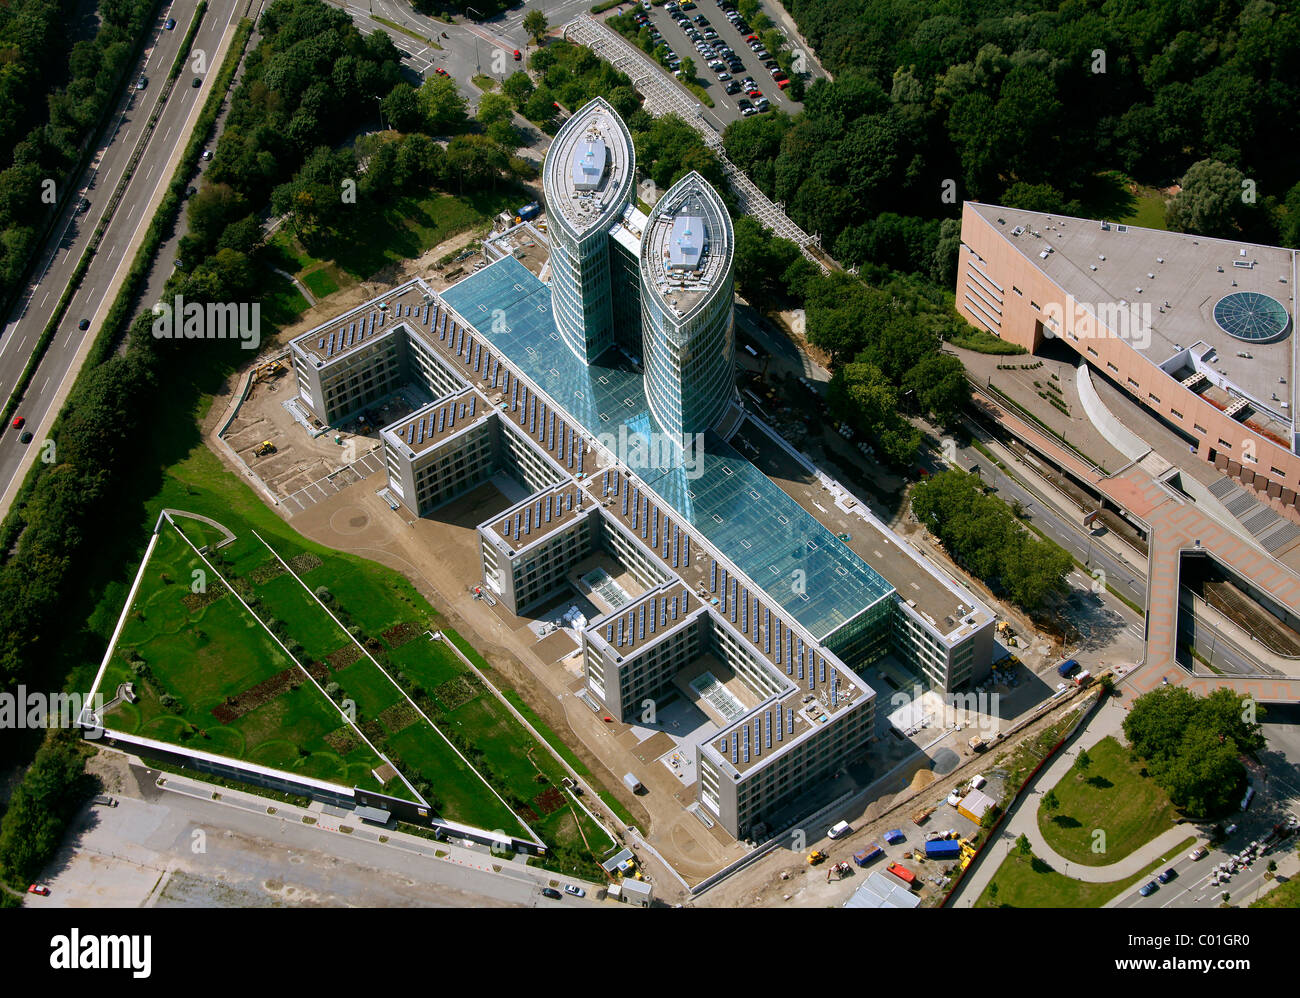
658,286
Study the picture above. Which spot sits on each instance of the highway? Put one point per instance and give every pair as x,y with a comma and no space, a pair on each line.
54,269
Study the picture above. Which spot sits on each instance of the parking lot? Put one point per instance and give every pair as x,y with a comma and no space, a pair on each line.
726,36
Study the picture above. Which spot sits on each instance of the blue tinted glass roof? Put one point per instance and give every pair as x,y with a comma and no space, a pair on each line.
728,501
1249,315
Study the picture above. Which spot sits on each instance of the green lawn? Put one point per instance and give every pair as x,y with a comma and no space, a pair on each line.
321,282
1114,798
204,655
1032,883
1285,895
282,302
387,232
375,599
1150,211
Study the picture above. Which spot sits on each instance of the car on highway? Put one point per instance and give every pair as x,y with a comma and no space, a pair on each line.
141,83
171,23
196,83
574,890
551,892
40,889
1149,888
82,205
19,421
25,437
84,324
1167,875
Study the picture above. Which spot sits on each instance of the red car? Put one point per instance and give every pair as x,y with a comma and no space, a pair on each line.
40,889
518,55
19,421
783,83
754,92
440,71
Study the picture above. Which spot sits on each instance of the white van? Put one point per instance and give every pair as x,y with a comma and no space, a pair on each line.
977,782
839,829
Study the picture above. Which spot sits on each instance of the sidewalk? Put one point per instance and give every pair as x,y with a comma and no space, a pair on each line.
1023,819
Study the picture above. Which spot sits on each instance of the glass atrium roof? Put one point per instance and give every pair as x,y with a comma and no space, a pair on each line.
1249,315
728,501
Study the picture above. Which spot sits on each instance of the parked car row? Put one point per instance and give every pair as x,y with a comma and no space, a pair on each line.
715,53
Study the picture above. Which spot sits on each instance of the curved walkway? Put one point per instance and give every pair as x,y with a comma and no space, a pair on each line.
228,534
302,288
1135,862
1024,820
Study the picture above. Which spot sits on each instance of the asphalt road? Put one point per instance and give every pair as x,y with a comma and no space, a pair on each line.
22,329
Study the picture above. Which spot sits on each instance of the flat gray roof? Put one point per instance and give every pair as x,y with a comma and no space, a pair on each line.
587,176
1178,277
686,247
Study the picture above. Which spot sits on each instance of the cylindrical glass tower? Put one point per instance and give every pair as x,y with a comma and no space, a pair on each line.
687,314
587,182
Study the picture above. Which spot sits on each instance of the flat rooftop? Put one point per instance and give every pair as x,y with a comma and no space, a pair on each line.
821,690
536,518
718,493
409,302
1181,277
588,168
642,621
429,425
686,245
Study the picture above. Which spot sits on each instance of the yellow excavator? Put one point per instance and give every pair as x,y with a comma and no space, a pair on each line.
265,447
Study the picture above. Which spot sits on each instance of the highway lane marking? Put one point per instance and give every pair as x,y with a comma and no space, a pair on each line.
74,367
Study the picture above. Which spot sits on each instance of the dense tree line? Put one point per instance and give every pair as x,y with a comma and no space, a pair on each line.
982,535
1016,104
1192,746
52,96
52,791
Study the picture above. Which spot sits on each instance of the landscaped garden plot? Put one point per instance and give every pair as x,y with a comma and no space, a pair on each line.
209,677
377,600
383,713
1112,795
1029,882
527,775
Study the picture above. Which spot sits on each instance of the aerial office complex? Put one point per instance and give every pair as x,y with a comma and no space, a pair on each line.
707,580
1196,330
